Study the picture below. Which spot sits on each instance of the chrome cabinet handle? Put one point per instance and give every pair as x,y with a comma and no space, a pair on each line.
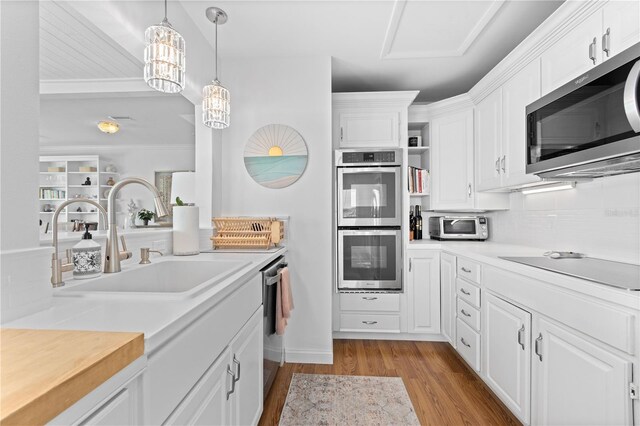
521,337
503,163
464,343
463,291
538,344
592,50
469,190
463,269
370,298
463,312
341,133
409,265
369,322
233,382
498,164
237,363
606,42
631,107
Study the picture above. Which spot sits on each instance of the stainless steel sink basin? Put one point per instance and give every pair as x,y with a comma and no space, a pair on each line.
169,278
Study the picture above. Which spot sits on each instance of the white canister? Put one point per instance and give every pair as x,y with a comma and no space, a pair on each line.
186,226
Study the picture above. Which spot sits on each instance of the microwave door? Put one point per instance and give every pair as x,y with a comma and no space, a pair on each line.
369,196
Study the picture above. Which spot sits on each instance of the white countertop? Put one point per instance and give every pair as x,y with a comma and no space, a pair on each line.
489,253
159,319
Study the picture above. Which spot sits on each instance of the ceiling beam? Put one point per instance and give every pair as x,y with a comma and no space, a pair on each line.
81,86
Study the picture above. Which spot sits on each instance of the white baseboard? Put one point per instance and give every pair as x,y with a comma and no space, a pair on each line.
302,356
389,336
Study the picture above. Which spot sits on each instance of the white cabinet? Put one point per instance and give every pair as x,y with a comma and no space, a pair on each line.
369,129
448,297
423,291
500,143
576,381
605,33
506,354
230,391
488,141
452,161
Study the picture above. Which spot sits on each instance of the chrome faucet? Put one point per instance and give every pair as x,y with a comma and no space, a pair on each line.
57,267
113,254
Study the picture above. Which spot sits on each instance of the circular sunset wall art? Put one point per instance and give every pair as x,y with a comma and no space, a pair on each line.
275,156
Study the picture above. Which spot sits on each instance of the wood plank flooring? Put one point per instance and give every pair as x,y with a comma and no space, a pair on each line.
443,391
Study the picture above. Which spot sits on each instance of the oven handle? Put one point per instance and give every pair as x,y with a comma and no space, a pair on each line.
631,107
268,281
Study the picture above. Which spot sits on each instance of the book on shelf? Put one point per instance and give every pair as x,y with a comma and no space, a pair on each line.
419,180
52,194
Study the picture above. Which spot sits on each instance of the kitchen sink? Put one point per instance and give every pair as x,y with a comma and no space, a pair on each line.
172,278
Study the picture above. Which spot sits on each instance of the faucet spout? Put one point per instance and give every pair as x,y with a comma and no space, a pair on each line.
112,261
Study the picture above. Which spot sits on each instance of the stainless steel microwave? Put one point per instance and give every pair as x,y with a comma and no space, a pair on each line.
590,127
474,228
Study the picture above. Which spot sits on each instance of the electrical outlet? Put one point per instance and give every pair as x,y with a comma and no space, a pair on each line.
159,245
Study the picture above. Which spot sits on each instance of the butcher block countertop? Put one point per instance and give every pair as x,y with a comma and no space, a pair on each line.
44,372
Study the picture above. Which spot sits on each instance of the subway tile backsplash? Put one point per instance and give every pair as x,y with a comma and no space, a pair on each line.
600,218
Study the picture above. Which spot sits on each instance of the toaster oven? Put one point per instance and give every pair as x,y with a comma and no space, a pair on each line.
473,228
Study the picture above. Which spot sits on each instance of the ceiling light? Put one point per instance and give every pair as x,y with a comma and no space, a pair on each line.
550,187
216,100
164,57
109,127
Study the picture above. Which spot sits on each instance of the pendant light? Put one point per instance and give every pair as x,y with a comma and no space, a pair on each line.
216,102
164,57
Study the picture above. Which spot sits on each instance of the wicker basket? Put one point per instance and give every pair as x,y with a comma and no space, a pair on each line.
247,232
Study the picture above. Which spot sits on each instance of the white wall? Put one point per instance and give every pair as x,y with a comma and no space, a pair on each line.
139,162
600,218
295,92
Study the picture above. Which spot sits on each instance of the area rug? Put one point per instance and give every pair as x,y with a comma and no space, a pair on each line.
319,399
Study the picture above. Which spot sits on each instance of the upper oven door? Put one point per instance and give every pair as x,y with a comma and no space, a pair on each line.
370,259
369,196
591,118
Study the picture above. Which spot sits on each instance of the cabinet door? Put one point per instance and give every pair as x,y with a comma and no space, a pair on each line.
423,291
576,381
488,141
448,297
521,90
208,402
369,129
568,58
247,363
452,161
622,20
506,347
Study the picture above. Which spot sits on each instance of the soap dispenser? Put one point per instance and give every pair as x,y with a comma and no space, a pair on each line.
87,257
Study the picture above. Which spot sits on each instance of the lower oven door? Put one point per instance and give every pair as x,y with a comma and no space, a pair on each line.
369,259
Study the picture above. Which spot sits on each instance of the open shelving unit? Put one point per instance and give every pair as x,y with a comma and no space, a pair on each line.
58,186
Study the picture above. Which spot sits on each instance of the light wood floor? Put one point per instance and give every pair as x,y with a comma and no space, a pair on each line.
443,391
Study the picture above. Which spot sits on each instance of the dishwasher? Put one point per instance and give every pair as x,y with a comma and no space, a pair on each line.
273,356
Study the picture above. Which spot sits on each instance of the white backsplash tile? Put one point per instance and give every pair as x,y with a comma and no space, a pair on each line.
600,218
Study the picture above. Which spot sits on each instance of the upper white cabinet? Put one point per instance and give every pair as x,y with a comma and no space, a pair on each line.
423,291
576,381
506,354
371,119
605,33
448,297
369,129
500,142
452,161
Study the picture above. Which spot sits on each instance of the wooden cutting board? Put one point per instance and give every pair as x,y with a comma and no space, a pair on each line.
44,372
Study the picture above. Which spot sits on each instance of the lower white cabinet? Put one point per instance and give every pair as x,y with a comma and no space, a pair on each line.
423,291
230,391
448,297
576,381
506,354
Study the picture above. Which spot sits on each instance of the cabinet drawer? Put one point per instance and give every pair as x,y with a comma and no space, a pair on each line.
468,292
469,270
469,314
374,323
468,344
370,302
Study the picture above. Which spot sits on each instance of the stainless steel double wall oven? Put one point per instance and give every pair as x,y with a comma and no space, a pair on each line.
369,219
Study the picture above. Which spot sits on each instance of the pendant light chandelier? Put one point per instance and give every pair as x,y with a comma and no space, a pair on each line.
216,102
164,57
